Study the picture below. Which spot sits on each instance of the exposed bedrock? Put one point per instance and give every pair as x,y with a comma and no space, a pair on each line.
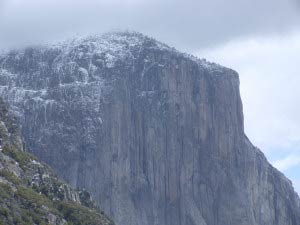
157,136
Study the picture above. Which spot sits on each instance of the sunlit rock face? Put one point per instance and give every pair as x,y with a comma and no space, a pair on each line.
156,135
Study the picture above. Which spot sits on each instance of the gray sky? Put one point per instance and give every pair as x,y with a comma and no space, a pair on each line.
185,24
258,38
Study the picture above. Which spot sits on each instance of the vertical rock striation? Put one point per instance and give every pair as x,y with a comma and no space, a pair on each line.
30,193
157,136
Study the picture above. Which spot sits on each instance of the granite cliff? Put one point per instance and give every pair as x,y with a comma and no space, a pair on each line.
155,135
31,193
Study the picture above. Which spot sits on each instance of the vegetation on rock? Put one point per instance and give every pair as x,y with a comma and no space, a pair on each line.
30,193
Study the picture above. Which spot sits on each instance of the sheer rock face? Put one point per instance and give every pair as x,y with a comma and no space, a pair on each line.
157,136
30,193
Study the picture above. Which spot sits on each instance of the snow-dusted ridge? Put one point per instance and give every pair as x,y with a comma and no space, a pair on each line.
78,64
117,45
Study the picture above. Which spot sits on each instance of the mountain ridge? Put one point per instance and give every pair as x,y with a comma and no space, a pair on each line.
155,135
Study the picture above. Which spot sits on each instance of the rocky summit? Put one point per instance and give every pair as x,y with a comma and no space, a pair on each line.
157,136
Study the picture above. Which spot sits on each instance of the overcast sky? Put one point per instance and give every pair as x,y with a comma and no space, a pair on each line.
258,38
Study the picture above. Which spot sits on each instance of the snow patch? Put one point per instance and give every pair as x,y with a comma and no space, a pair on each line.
35,162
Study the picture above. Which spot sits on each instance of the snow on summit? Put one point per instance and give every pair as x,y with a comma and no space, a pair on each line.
113,45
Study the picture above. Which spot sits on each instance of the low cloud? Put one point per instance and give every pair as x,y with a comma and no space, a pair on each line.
288,162
187,25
